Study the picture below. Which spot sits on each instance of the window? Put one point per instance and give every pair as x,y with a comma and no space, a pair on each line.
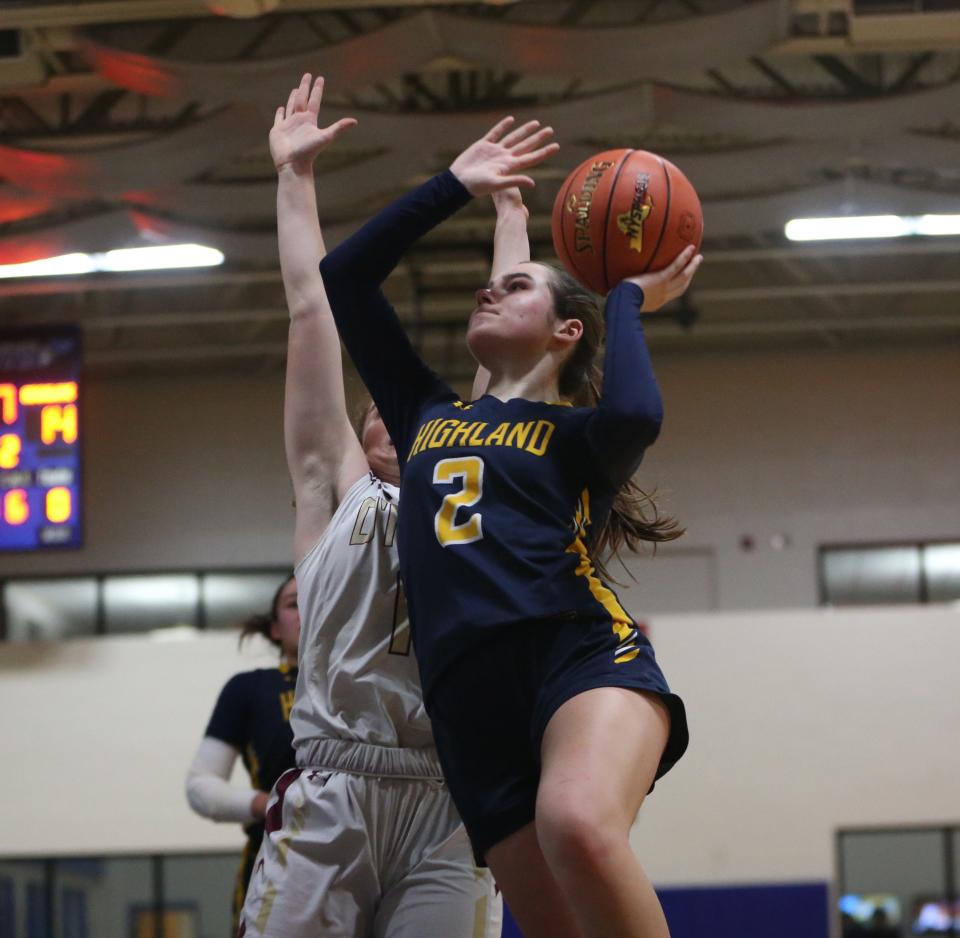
158,896
881,574
73,913
942,570
38,911
229,598
40,610
152,601
51,608
8,917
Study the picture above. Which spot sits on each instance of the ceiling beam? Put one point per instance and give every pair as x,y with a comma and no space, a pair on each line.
39,14
190,280
662,328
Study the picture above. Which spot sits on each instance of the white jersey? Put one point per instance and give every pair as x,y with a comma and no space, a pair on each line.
357,677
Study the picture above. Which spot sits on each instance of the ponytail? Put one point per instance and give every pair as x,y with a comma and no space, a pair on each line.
261,623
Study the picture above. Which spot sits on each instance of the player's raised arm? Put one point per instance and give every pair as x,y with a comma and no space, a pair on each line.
323,454
630,409
511,246
353,272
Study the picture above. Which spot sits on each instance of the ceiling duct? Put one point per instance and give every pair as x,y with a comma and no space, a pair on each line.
20,65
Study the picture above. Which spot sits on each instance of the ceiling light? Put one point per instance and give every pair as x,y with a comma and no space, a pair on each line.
855,227
50,266
159,257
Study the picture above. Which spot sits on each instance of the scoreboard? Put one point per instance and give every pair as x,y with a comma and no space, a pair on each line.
40,436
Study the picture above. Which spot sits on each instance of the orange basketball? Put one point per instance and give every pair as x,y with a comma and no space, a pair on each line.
622,213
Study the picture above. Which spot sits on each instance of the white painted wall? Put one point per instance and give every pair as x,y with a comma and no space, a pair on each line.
96,738
822,447
188,471
801,722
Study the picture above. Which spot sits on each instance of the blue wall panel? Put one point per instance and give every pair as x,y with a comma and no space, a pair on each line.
795,910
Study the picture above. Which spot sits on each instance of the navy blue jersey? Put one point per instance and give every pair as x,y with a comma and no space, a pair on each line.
499,499
252,714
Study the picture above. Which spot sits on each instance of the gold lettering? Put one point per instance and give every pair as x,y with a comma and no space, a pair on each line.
361,533
580,205
460,434
476,438
518,435
286,703
541,437
497,437
421,436
391,530
440,437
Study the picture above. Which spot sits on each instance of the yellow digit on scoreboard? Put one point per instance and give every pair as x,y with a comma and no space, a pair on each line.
16,509
59,505
58,419
10,446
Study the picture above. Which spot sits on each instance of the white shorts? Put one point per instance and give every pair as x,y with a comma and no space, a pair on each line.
349,855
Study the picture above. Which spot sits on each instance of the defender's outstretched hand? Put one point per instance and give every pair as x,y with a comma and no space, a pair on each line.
295,138
498,159
661,287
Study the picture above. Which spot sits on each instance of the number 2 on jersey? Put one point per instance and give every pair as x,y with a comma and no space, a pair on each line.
469,470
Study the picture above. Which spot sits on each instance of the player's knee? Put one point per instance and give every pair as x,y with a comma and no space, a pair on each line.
578,836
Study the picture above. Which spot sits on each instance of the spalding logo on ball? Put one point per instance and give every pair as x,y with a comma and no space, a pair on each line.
622,213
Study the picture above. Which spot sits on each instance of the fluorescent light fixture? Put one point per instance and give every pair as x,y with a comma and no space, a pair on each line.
50,266
854,227
938,225
159,257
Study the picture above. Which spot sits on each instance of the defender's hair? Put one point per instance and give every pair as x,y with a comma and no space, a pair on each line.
261,623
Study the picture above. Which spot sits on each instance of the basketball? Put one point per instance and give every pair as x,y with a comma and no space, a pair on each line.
622,213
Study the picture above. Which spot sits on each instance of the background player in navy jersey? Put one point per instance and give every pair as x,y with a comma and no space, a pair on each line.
551,715
362,838
251,720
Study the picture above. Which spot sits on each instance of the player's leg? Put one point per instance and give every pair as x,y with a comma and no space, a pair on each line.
601,751
529,888
482,715
314,874
438,890
251,849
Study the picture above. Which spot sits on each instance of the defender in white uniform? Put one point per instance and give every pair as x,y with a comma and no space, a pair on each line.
362,839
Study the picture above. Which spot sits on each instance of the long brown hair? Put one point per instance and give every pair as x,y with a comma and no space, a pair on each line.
261,623
634,517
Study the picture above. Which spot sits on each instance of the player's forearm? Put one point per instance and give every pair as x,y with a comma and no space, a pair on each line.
511,243
208,789
299,240
315,419
389,366
314,404
376,248
630,410
218,800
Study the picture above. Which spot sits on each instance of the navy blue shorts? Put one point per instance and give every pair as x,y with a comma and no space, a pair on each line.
491,706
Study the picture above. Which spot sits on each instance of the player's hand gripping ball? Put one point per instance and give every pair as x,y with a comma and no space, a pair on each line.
623,213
